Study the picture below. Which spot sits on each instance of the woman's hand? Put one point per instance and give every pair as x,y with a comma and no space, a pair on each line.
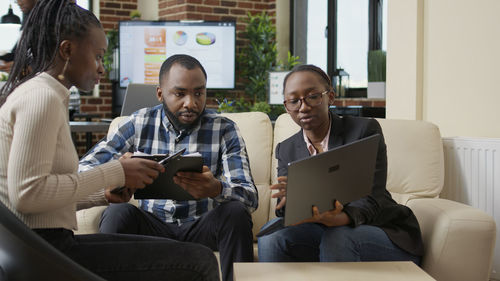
334,217
139,172
121,197
281,194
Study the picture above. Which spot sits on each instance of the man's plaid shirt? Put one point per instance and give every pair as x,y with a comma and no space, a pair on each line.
216,138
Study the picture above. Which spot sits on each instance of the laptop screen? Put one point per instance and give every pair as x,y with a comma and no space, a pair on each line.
138,96
344,173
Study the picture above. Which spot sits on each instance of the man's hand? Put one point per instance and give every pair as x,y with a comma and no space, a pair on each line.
281,194
199,185
334,217
122,197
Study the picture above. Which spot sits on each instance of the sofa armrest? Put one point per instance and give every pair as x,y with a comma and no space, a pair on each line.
88,220
459,240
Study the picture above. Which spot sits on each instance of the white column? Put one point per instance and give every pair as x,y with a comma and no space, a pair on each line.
404,89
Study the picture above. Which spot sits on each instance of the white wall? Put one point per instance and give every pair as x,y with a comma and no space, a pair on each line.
96,8
148,9
443,64
404,59
462,66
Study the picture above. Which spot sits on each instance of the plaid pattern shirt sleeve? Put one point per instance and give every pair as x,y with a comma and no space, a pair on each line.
117,143
237,182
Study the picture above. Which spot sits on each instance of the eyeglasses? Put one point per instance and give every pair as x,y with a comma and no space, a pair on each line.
312,100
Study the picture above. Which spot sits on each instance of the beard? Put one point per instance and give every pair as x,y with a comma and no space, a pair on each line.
174,118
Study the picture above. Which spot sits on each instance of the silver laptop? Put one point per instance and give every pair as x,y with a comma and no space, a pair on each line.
344,173
138,96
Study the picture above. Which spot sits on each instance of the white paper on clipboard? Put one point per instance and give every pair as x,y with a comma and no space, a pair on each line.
276,86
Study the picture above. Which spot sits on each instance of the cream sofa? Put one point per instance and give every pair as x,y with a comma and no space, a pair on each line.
458,239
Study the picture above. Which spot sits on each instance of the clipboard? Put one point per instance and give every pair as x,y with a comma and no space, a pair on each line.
164,187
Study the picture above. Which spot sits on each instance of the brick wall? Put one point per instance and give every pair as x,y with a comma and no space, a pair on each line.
218,10
112,11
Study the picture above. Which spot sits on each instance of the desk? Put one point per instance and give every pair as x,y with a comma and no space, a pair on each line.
88,128
353,271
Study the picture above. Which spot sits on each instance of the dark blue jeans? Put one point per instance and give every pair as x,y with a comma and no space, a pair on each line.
311,242
134,257
226,228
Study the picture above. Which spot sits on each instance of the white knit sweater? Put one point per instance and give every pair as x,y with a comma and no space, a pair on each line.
38,161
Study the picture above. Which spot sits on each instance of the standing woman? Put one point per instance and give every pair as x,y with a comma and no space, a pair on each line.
63,46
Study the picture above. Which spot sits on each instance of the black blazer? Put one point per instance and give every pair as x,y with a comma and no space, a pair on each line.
378,209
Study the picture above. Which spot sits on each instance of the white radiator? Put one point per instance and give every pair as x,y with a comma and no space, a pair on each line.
472,176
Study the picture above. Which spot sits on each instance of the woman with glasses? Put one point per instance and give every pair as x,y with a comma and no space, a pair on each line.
373,228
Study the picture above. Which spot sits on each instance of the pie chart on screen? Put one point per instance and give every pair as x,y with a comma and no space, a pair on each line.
180,38
205,38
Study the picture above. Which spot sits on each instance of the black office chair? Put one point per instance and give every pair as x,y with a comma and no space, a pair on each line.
26,256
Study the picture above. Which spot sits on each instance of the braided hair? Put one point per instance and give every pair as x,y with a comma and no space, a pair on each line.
311,68
49,23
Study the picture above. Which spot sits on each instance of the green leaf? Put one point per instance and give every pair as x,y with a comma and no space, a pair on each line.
257,58
107,60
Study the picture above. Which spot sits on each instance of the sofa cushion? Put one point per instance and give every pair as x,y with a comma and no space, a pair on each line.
414,156
88,220
114,124
284,127
256,129
415,159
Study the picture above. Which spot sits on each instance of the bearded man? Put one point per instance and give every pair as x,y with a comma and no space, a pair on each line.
225,193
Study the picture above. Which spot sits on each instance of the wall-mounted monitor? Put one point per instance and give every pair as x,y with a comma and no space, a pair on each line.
144,45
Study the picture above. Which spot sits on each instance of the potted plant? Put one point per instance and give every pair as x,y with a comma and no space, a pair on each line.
257,58
376,74
110,59
3,78
135,15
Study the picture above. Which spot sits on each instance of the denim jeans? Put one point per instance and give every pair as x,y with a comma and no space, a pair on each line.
133,257
311,242
226,228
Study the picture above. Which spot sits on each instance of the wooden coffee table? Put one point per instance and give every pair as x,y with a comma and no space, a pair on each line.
317,271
